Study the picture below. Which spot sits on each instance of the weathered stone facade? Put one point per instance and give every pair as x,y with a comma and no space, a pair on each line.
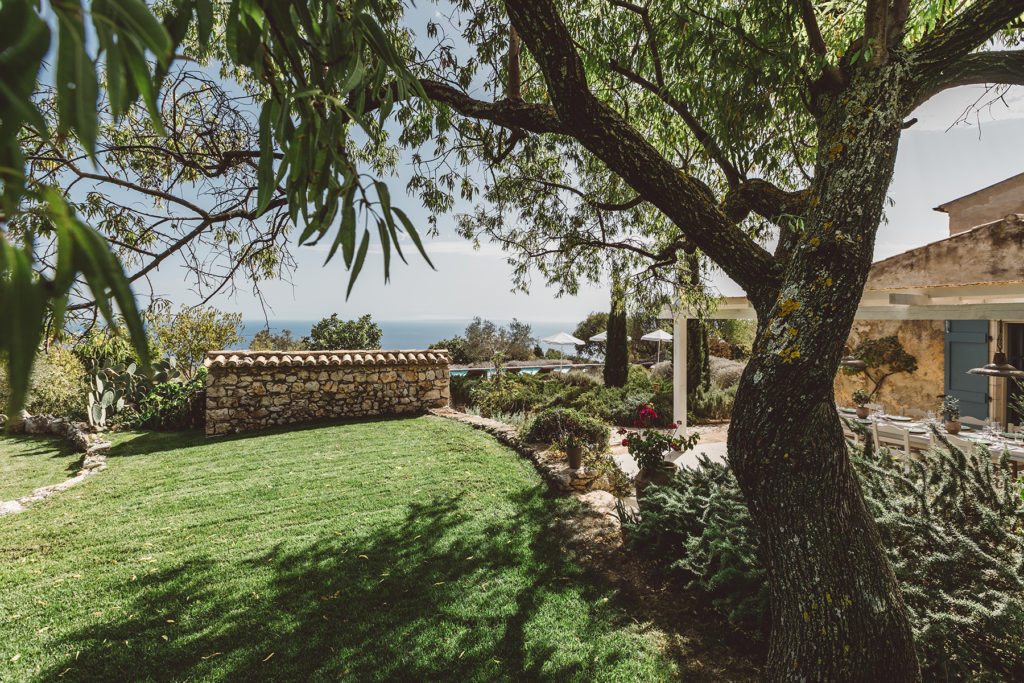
250,390
922,339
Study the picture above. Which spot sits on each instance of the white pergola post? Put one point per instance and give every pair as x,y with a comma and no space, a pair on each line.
679,371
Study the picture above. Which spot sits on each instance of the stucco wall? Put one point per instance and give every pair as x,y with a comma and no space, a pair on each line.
921,338
248,390
988,253
987,205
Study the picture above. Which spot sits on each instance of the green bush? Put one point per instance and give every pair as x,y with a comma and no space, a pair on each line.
713,404
57,386
456,347
700,526
951,527
507,394
461,388
553,424
332,333
638,381
171,406
577,378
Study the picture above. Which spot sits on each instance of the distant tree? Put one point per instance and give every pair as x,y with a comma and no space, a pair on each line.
616,355
484,338
518,341
538,352
595,323
456,347
265,340
884,357
334,333
188,334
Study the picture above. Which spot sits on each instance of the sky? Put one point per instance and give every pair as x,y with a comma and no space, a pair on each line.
936,163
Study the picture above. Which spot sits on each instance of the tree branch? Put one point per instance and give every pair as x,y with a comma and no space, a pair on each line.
963,34
1005,67
628,153
537,118
765,199
732,175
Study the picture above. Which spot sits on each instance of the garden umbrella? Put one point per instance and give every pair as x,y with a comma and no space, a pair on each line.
563,339
602,337
658,336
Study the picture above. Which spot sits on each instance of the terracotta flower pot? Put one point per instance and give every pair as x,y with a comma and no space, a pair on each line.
575,457
658,477
862,412
952,427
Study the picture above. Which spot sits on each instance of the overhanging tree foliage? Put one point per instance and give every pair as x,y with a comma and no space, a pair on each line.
731,122
302,59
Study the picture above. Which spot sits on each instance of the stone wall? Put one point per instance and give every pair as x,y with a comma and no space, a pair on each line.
923,339
250,390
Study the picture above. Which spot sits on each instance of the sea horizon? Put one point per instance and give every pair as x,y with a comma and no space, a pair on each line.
404,334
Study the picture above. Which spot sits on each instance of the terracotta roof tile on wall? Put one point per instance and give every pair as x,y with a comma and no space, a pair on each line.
260,359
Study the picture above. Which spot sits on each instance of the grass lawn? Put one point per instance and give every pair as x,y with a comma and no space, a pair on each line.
403,550
28,463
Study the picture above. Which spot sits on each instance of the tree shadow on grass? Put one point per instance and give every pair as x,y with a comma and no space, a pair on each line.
149,442
443,594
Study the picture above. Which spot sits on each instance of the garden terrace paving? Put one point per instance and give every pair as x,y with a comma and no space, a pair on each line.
389,549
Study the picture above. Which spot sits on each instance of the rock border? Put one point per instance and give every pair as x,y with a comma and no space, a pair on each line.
591,489
92,445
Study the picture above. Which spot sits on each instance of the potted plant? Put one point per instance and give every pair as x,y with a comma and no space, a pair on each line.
573,445
648,447
951,414
861,398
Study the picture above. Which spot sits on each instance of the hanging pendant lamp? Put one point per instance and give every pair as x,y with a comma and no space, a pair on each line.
999,367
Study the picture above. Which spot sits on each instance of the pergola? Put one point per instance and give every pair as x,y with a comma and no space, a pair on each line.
992,301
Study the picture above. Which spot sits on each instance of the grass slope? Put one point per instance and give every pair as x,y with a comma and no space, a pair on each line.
403,550
28,463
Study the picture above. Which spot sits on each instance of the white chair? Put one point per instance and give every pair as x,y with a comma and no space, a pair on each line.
973,421
895,438
961,443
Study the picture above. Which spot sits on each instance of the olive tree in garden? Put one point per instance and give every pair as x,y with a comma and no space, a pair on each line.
730,122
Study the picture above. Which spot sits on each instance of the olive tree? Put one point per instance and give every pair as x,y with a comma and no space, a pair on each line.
735,121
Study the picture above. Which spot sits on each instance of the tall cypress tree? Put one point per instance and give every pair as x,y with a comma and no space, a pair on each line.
616,359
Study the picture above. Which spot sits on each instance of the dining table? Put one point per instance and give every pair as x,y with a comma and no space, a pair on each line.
922,438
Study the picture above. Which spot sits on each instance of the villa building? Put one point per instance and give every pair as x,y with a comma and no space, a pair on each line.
951,303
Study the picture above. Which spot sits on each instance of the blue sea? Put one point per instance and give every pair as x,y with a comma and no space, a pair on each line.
403,334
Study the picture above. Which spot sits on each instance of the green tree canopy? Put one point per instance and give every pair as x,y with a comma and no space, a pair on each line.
332,333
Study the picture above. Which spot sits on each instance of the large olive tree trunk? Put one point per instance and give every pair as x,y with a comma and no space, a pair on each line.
837,612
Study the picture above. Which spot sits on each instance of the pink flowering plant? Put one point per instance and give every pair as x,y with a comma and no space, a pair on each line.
648,444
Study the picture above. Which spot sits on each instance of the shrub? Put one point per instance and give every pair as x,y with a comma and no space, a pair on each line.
333,333
662,371
725,373
188,334
265,340
57,386
577,378
951,527
461,388
638,381
172,406
506,394
699,524
456,347
556,423
713,404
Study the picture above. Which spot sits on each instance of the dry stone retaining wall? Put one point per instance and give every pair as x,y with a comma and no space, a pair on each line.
250,390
